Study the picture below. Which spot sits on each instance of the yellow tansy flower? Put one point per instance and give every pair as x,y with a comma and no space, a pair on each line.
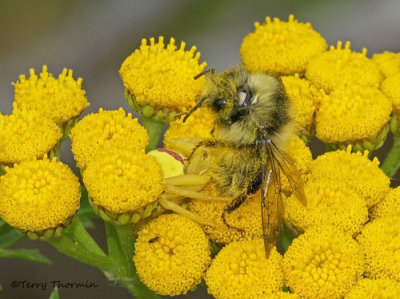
355,115
375,288
171,254
241,270
391,88
380,242
341,67
281,295
106,129
328,204
198,125
160,78
122,181
247,218
387,62
303,98
58,99
279,47
389,206
362,175
324,262
26,135
37,195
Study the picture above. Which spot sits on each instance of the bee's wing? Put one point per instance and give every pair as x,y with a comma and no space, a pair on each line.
286,164
271,203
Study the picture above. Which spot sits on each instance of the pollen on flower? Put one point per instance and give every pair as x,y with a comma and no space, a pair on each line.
163,76
387,62
279,47
241,270
380,242
171,254
38,194
389,206
26,135
58,99
361,174
391,88
246,218
375,288
341,67
328,204
304,98
280,295
324,262
355,113
106,129
198,125
121,180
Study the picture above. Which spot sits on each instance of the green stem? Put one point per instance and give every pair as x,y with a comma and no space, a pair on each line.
126,240
79,233
392,161
154,129
75,250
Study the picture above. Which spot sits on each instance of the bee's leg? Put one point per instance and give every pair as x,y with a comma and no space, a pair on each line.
187,180
207,143
232,206
194,194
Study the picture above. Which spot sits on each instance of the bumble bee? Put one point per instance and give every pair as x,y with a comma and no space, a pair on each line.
253,124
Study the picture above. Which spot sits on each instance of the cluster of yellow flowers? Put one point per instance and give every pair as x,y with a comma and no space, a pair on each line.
348,235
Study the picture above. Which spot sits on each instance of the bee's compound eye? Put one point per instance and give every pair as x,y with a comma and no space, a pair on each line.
220,103
242,95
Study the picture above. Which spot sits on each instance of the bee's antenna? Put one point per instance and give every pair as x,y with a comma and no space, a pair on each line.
198,105
204,73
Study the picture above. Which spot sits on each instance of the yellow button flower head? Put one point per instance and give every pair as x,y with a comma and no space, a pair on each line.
279,47
303,98
281,295
362,175
171,254
246,218
375,288
106,129
198,125
380,242
121,181
328,204
36,195
387,62
341,67
391,88
26,135
355,115
160,78
241,270
324,262
389,206
58,99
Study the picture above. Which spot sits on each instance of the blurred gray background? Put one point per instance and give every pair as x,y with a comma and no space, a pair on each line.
94,37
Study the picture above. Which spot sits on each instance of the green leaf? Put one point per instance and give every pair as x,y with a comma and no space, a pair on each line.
10,237
54,294
32,255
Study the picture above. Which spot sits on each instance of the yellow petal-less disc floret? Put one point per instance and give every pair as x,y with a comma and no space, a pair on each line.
389,206
380,242
391,88
171,254
106,129
36,195
26,135
279,47
58,99
303,98
341,67
162,77
324,262
387,62
198,125
281,295
354,115
241,270
375,288
328,204
121,181
247,218
362,175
